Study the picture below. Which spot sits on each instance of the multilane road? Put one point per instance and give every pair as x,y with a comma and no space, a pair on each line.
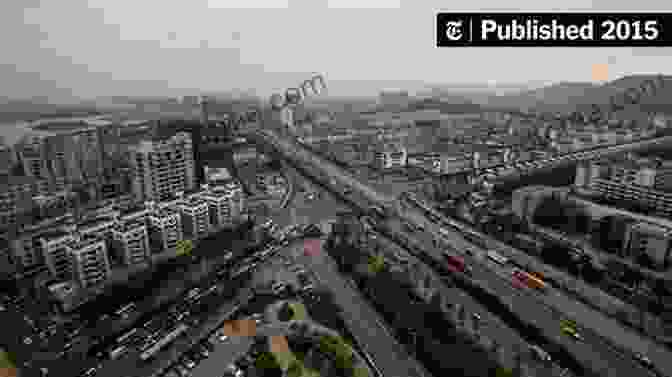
545,312
365,324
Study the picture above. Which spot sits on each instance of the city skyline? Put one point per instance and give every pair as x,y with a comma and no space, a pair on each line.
125,48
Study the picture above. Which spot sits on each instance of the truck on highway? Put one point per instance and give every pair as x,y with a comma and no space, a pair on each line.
497,257
529,280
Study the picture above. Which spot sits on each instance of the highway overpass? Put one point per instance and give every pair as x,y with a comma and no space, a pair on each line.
606,349
523,168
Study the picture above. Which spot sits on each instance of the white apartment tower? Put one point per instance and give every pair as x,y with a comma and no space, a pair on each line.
90,263
195,216
131,241
163,167
165,229
226,203
55,250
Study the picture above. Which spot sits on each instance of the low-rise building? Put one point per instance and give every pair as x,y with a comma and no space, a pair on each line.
634,181
390,155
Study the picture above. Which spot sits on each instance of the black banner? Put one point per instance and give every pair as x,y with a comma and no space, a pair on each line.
554,29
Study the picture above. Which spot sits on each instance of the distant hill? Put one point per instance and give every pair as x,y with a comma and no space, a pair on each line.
18,110
567,97
546,98
449,106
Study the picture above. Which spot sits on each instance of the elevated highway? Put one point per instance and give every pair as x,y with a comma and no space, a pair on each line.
605,348
523,168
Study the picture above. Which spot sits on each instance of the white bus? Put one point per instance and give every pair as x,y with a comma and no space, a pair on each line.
497,258
167,339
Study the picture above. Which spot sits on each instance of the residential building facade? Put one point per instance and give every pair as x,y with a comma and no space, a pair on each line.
163,167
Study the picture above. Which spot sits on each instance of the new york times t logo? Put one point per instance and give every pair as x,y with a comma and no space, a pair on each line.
452,30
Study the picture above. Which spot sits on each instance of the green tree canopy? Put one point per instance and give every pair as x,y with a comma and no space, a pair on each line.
344,358
376,263
286,312
266,360
295,369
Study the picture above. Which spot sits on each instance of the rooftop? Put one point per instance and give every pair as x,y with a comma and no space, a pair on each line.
191,201
126,226
163,213
216,192
84,241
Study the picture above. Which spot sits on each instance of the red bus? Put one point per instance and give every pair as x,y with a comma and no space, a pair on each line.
455,263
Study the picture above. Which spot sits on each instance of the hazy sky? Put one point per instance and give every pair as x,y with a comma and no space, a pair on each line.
114,47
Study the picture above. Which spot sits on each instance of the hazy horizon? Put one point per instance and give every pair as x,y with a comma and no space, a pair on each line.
96,48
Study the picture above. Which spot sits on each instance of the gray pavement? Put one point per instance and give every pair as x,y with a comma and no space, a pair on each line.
546,312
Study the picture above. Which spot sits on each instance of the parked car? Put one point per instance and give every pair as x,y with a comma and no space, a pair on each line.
540,353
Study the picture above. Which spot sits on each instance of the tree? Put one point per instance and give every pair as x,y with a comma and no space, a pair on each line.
344,358
268,364
295,369
286,313
376,263
184,247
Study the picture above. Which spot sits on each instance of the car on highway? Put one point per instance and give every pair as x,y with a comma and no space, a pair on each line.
306,282
181,370
221,336
297,268
232,370
188,362
540,354
645,361
312,230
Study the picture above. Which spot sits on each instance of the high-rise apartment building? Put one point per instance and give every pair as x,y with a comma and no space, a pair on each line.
226,203
195,216
165,229
72,154
55,251
89,261
15,200
89,153
163,167
131,242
